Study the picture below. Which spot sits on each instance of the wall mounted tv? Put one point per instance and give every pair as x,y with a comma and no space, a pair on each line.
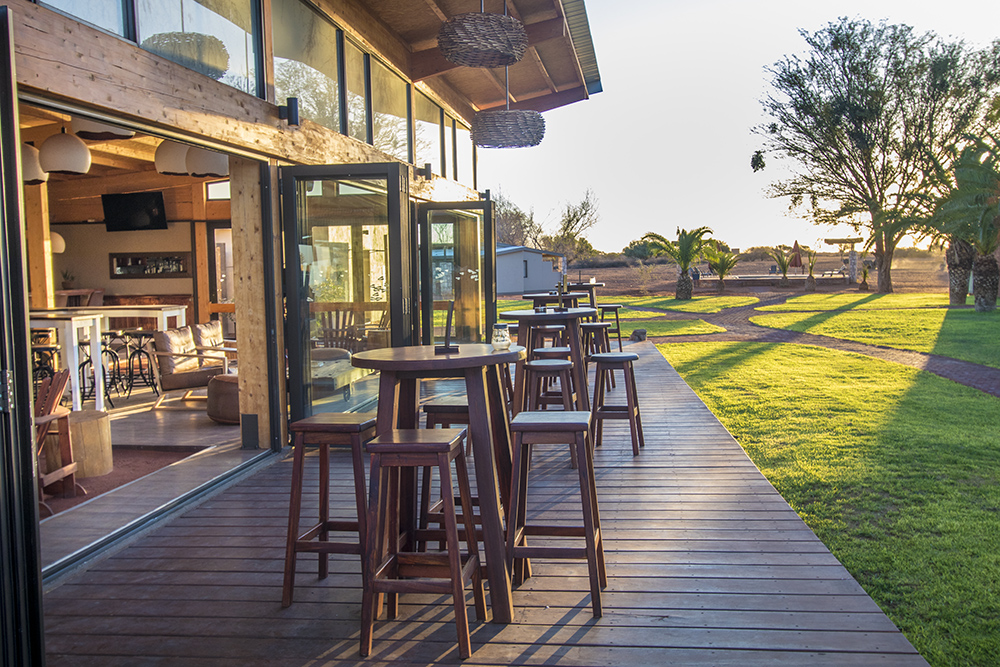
134,211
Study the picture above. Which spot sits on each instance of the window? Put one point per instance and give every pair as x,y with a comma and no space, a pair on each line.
390,125
214,37
525,268
465,155
449,148
427,133
105,14
305,62
217,191
354,66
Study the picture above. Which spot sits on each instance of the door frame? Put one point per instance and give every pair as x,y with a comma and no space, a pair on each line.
402,262
489,283
21,628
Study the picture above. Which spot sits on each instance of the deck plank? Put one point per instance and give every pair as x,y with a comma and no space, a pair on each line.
707,566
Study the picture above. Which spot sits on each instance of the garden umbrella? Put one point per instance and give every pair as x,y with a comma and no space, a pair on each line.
796,259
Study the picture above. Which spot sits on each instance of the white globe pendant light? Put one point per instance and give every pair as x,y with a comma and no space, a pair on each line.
57,242
171,158
202,162
95,131
31,169
64,154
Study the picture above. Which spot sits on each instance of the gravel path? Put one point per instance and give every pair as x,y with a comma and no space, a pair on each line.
739,328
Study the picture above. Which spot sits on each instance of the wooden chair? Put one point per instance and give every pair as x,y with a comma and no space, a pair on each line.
338,328
180,366
48,410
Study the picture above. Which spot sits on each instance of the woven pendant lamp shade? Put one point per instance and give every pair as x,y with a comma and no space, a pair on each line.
508,128
482,40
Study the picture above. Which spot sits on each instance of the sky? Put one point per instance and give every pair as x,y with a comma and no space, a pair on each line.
667,144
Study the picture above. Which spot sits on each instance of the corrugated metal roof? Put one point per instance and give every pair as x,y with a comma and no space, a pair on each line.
583,43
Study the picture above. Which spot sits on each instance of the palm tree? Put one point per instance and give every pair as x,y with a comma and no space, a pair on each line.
782,260
811,256
721,262
970,213
684,251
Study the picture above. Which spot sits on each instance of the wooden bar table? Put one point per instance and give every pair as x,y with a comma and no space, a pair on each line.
568,317
400,369
589,288
68,323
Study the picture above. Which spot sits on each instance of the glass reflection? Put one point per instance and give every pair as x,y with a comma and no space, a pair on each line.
343,253
455,274
427,133
305,61
389,95
105,14
213,37
465,155
354,64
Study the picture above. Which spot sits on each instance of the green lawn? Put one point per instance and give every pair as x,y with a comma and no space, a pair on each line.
961,334
699,304
859,301
896,470
512,304
670,327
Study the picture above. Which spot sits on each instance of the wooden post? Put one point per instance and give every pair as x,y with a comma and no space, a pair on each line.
199,244
39,244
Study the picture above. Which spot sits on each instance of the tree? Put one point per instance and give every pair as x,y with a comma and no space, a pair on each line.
721,261
576,219
970,213
513,225
863,115
684,251
638,249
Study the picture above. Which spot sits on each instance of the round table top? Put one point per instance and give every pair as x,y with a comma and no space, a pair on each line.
549,314
423,357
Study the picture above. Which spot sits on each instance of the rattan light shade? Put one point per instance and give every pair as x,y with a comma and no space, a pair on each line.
482,40
508,128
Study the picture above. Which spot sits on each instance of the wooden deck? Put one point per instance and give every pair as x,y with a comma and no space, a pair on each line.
707,566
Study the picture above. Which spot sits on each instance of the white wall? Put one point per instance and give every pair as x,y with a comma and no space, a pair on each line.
88,247
510,273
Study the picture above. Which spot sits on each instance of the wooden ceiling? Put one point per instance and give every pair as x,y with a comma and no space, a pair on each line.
549,75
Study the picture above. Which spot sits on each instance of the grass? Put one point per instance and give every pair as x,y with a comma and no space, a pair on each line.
857,301
961,334
896,470
698,304
670,327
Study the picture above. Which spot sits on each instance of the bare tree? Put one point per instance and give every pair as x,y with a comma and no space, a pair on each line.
513,225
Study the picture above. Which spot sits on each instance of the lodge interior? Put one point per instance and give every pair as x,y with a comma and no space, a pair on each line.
72,204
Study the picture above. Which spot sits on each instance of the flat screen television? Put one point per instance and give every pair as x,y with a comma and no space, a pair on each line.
134,211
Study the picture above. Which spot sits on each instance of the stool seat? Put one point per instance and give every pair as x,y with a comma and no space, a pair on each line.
549,365
595,325
331,422
543,420
557,352
614,357
417,440
610,306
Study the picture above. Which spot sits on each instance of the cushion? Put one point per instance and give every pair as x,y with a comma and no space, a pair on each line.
209,334
175,341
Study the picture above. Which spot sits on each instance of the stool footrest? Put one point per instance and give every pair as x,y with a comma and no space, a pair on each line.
327,547
554,531
550,552
614,412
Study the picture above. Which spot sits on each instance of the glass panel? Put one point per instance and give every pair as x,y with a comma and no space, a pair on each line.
389,94
449,148
466,154
456,247
214,37
343,253
427,133
354,63
305,62
105,14
223,283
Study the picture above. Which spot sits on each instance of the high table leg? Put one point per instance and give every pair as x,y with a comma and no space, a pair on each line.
579,366
523,336
480,431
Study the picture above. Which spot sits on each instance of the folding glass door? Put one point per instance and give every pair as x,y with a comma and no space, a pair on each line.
457,259
349,262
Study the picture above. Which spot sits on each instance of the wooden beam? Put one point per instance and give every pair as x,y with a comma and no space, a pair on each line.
201,250
535,58
41,282
429,62
543,100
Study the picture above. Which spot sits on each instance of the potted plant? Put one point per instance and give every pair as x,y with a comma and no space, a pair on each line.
69,280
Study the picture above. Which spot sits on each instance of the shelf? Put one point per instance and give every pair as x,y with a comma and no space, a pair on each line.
131,265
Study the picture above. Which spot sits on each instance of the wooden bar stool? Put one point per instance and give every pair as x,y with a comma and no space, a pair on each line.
530,428
390,571
554,334
596,341
617,328
327,429
541,369
610,362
